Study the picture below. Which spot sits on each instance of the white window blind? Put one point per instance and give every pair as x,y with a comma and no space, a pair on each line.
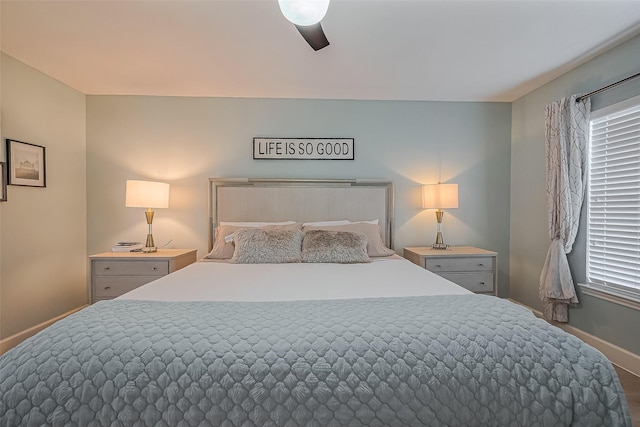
613,252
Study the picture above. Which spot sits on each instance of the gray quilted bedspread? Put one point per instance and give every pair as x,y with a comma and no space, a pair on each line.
442,360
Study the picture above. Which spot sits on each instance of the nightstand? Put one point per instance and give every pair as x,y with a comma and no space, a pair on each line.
472,268
115,273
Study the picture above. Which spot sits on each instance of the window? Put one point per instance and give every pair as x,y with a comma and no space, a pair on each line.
613,236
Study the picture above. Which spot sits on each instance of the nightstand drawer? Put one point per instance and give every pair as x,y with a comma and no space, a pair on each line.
131,268
472,268
113,274
475,282
111,287
438,265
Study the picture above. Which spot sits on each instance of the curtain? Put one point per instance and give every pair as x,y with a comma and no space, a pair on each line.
567,131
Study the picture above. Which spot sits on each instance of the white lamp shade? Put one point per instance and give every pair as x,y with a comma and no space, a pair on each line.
147,194
440,196
304,12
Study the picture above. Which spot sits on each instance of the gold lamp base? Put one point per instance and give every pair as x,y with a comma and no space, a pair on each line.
147,194
149,246
439,244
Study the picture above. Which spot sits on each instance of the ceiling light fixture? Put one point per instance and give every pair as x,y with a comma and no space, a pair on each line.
306,16
304,12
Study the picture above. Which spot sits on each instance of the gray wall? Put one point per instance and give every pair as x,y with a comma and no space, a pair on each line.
43,240
184,141
529,239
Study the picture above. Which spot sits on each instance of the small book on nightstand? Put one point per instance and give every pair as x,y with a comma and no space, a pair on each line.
126,247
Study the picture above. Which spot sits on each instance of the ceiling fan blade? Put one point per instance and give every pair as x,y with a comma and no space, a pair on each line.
314,35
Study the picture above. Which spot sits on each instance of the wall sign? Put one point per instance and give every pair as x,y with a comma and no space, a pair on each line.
303,148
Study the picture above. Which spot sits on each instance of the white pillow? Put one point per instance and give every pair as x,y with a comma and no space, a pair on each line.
339,222
255,224
229,238
324,223
373,221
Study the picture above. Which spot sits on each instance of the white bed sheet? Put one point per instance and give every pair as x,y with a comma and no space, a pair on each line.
220,281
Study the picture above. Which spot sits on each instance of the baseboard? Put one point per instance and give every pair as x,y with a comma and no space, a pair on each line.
617,355
12,341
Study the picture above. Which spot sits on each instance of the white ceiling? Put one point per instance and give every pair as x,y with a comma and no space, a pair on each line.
448,50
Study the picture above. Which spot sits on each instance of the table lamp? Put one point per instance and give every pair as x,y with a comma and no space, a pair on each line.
439,196
147,194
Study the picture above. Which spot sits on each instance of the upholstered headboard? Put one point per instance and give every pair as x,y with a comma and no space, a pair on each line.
301,200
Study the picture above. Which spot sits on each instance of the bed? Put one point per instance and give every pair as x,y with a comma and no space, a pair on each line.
381,342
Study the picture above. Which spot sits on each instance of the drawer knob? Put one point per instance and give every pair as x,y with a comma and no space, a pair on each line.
438,265
482,283
107,268
107,287
155,268
480,265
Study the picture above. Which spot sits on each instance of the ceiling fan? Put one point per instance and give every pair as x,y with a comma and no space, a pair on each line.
306,16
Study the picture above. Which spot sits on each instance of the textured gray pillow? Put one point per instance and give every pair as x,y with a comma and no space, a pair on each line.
258,246
340,247
224,250
375,245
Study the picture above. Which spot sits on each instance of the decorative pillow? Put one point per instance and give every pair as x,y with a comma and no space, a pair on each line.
340,247
224,250
260,246
375,245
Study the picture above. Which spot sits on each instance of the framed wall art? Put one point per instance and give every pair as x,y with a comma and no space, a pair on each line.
26,164
3,182
303,148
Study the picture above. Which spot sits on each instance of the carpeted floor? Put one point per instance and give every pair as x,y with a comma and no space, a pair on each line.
631,385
